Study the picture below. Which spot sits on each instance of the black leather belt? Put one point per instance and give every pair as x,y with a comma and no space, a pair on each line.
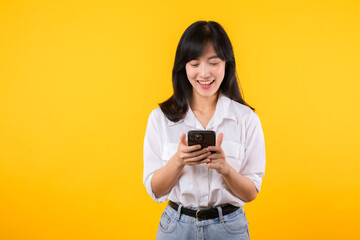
204,214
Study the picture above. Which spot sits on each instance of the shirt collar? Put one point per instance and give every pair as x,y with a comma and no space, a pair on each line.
222,112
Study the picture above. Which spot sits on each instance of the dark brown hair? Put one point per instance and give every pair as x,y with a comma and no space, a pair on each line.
191,46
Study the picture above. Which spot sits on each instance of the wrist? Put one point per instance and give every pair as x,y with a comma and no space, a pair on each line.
178,163
226,170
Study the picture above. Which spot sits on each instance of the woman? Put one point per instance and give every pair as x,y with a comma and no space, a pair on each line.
206,188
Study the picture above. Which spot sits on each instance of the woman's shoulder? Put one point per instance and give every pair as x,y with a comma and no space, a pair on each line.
240,108
242,111
156,111
157,116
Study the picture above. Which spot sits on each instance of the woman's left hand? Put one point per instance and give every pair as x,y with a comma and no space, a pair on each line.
217,159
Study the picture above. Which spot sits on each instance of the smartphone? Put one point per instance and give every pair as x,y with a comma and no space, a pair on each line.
203,137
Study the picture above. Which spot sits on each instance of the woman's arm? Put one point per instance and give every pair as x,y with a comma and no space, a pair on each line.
241,186
164,179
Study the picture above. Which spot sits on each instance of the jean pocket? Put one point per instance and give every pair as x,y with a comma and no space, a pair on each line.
167,224
236,223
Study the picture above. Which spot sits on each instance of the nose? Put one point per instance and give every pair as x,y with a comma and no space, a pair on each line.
204,71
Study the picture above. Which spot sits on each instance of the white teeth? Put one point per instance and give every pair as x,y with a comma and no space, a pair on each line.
205,83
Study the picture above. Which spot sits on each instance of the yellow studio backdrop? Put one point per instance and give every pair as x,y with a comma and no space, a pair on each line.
78,80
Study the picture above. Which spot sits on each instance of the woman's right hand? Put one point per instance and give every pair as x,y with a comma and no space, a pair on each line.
164,179
191,155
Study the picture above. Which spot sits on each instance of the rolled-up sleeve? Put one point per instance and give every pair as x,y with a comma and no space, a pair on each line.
253,166
152,155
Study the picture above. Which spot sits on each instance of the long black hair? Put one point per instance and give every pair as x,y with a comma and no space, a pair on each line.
191,46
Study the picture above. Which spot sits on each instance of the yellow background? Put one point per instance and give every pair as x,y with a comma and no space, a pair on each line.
78,80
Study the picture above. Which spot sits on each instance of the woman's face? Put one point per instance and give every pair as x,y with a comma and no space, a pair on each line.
206,72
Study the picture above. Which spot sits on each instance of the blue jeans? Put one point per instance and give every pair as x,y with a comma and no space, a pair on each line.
176,226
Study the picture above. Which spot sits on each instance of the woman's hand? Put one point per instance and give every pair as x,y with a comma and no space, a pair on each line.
239,185
217,159
191,155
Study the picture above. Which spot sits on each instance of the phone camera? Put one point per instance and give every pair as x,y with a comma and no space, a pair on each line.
198,137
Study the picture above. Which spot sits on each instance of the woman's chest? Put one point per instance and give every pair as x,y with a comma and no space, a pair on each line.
233,140
232,145
203,118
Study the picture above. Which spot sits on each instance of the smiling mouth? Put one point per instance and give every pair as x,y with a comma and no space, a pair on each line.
204,83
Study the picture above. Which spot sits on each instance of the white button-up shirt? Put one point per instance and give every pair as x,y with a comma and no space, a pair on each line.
198,186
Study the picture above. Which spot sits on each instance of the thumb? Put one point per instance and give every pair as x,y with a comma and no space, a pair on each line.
183,139
219,140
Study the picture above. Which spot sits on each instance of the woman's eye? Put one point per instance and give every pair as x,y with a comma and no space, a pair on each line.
194,65
214,64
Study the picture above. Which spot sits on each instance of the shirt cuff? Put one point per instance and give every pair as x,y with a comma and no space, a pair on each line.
152,195
256,179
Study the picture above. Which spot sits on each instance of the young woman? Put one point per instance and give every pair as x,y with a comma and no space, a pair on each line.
207,187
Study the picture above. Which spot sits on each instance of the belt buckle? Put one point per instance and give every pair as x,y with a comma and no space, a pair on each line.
197,214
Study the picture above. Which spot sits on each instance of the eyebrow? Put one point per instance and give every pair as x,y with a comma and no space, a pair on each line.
215,56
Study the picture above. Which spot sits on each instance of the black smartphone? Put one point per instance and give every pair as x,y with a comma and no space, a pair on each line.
203,137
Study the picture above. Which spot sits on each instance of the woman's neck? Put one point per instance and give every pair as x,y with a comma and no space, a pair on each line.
203,104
